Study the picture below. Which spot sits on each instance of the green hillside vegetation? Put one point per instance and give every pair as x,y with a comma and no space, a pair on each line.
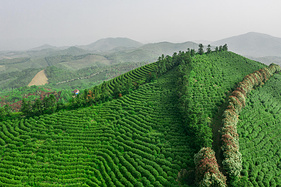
135,140
204,86
168,123
16,79
259,130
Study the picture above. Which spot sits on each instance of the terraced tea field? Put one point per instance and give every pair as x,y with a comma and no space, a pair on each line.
206,84
136,140
260,133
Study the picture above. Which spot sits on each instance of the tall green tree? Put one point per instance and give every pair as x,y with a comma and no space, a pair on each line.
209,49
5,111
217,49
37,107
192,52
201,50
50,104
225,47
26,107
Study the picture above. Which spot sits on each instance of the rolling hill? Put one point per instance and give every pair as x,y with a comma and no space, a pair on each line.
144,127
108,44
108,52
42,47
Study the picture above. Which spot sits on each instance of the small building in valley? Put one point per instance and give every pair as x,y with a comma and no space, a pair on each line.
76,92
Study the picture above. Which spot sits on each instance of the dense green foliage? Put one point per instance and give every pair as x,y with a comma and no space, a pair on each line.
259,130
136,140
204,85
207,169
232,162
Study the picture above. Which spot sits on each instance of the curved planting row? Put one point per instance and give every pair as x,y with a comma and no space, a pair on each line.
232,162
136,140
135,75
203,87
260,134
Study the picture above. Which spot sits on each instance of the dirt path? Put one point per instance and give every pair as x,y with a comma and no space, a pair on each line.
39,79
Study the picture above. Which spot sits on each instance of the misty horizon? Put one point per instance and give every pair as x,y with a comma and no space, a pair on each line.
26,24
204,42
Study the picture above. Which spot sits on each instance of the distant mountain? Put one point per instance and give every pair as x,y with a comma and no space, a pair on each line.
204,42
253,44
168,48
109,44
151,52
73,51
268,59
45,46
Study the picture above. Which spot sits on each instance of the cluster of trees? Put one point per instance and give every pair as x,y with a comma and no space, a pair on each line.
46,106
195,122
209,50
166,63
237,101
207,169
5,111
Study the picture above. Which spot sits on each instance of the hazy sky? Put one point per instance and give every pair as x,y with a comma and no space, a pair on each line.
26,24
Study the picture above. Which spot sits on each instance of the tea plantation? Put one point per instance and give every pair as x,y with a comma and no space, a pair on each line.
260,134
176,122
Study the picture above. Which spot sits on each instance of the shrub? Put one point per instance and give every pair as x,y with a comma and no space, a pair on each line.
207,169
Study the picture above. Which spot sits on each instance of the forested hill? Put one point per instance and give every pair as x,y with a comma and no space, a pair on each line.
157,125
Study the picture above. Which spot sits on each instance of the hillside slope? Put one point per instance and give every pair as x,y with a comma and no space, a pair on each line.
135,140
135,132
206,83
259,131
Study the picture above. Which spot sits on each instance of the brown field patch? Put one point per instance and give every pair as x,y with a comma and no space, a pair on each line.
39,79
